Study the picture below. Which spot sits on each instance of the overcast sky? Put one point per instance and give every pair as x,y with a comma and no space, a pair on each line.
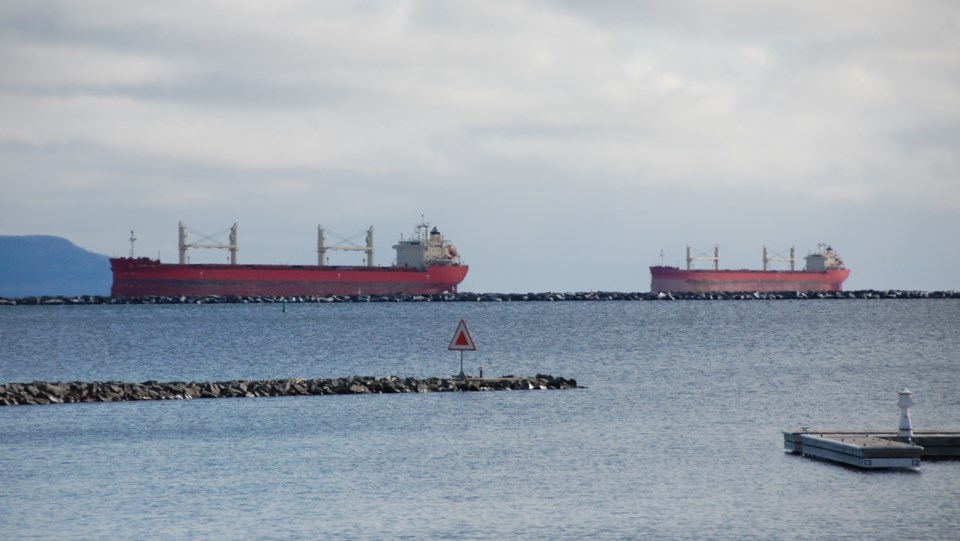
561,145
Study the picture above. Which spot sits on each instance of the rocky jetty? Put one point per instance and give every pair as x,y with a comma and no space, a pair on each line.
44,392
488,297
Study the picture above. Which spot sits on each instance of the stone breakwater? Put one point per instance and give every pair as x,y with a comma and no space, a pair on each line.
43,392
486,297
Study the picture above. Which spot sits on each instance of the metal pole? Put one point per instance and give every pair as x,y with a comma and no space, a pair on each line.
321,246
183,243
369,249
233,244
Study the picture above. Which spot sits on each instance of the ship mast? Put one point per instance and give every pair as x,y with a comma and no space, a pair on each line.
184,245
322,247
792,259
132,240
422,230
715,258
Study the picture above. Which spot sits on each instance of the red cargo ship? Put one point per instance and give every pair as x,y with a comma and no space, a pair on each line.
824,271
426,264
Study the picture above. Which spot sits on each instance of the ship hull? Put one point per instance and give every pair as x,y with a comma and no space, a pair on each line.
146,277
672,279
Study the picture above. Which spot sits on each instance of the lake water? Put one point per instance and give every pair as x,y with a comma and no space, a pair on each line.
676,435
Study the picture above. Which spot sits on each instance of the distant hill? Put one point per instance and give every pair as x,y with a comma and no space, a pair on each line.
38,265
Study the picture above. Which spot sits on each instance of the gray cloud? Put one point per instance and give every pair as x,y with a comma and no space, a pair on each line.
530,123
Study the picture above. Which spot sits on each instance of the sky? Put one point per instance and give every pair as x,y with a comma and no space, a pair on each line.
561,145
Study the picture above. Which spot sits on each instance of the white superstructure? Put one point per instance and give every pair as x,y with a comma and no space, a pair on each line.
425,249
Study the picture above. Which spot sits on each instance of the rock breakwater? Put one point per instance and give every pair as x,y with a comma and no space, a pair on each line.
44,392
487,297
715,296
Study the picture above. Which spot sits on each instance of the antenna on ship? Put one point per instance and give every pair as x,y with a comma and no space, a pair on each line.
132,240
661,257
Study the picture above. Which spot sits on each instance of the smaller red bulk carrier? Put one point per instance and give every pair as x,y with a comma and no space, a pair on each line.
824,271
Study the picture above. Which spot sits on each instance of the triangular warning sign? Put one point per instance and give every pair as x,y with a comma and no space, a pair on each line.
461,339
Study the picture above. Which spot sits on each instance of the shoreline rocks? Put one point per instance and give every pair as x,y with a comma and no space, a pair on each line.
44,392
484,297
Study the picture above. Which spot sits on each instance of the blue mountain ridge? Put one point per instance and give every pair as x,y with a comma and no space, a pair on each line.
39,265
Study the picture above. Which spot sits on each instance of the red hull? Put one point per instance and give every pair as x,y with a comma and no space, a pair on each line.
145,277
672,279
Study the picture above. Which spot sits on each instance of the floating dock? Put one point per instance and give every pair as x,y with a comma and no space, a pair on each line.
876,449
858,449
927,444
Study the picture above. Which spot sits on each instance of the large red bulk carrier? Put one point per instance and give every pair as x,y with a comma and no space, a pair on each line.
426,264
824,271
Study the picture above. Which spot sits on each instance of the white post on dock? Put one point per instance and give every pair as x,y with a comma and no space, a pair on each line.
905,434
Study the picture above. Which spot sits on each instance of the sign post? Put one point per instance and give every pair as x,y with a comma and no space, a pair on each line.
462,341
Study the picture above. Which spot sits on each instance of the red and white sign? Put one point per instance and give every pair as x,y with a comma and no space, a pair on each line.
462,340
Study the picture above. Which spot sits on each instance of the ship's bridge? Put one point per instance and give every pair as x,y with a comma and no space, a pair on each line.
425,249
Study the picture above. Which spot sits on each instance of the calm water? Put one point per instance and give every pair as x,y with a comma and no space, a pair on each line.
676,436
